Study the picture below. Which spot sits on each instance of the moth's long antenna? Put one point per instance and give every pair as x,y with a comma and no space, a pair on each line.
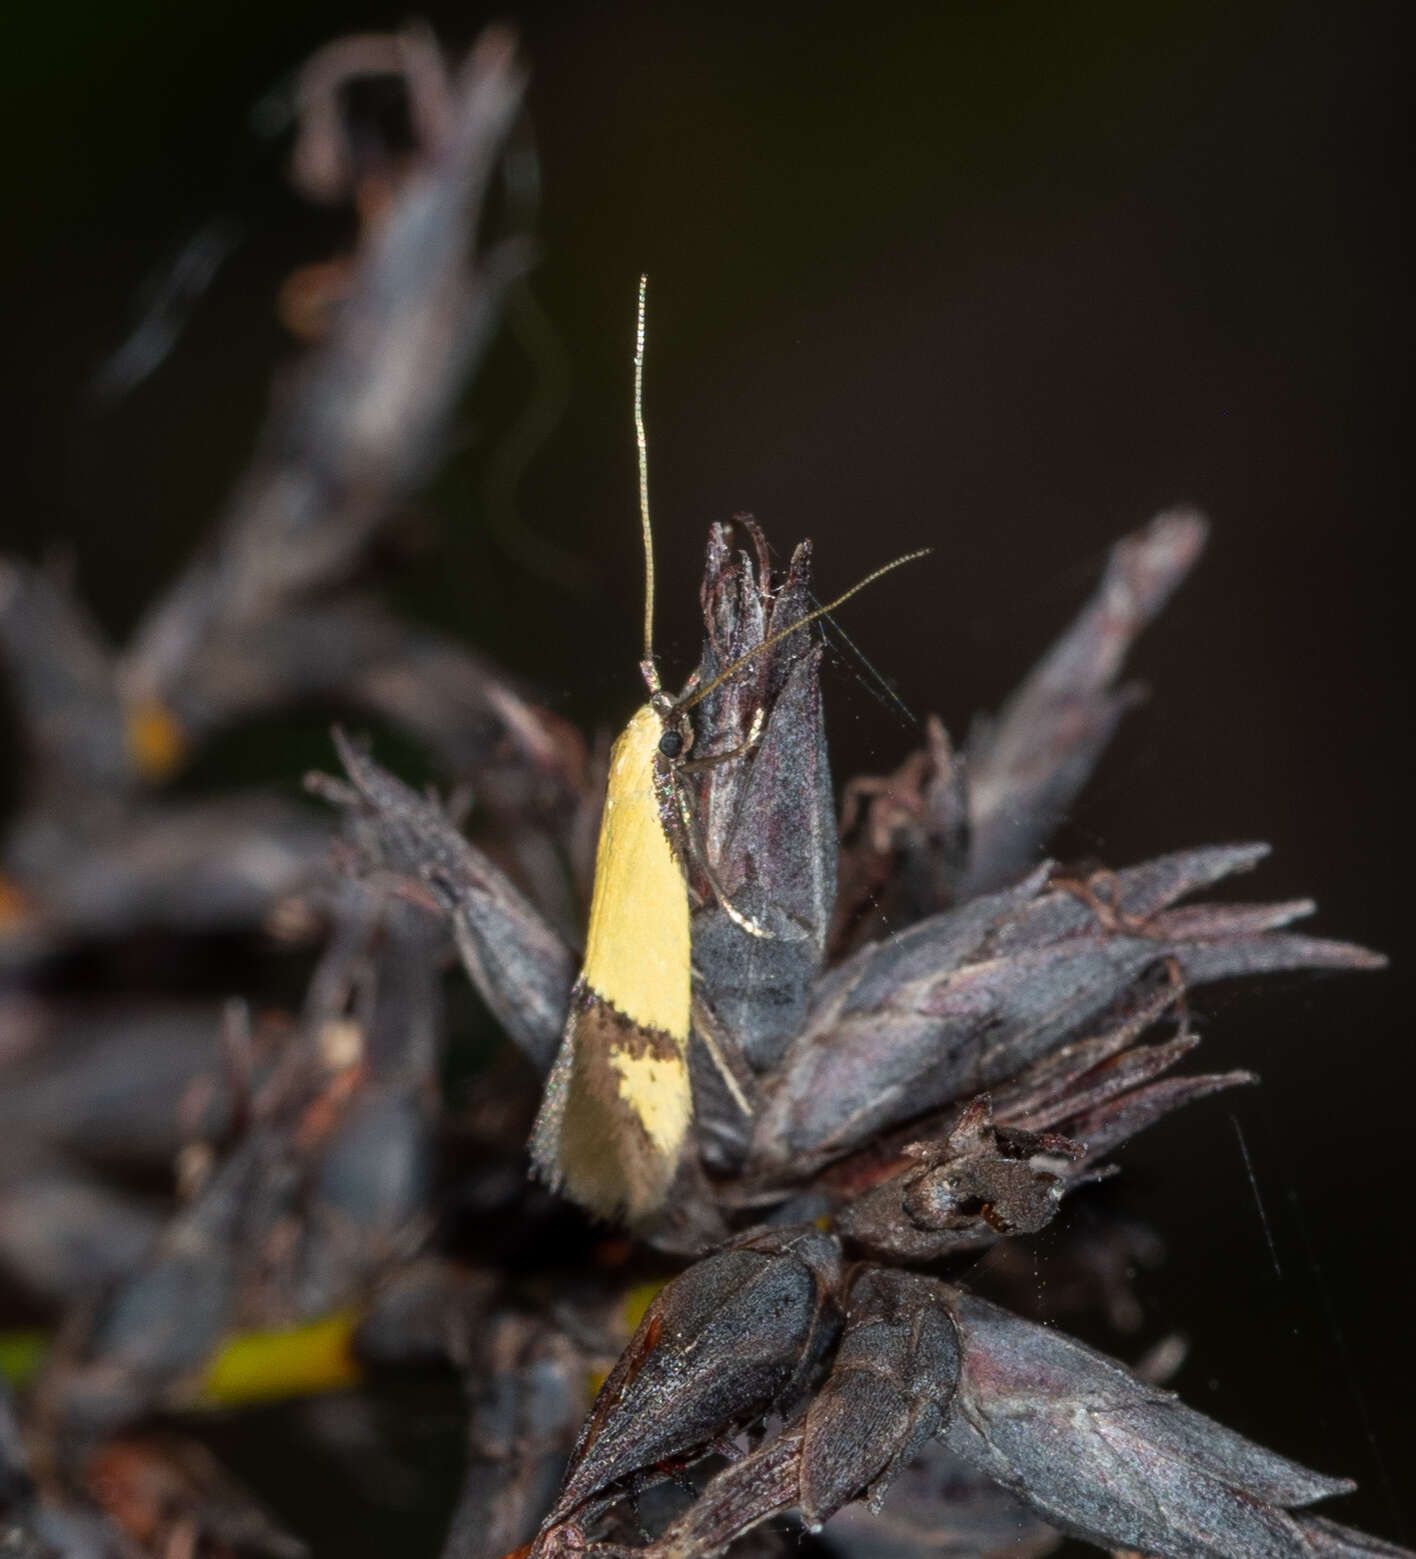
642,446
776,638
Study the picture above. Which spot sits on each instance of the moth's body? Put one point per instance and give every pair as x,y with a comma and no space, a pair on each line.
618,1105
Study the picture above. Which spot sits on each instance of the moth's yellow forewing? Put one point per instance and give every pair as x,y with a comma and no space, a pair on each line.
636,950
618,1106
658,1092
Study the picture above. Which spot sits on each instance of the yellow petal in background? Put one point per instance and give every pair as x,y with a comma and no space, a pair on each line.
298,1361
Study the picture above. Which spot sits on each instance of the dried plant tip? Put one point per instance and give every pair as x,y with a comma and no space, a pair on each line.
887,1395
888,1392
520,966
1101,1454
972,997
1026,767
977,1184
719,1346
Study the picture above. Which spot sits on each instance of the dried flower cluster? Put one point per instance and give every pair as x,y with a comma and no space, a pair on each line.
940,1044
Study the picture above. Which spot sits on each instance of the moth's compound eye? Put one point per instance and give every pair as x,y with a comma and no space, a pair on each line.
671,744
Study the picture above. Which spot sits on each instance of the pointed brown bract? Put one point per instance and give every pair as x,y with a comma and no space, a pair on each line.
732,1337
518,961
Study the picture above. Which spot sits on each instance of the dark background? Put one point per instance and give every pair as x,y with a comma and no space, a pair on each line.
998,279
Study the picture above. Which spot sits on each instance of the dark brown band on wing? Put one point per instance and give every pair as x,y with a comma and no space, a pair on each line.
596,1016
607,1160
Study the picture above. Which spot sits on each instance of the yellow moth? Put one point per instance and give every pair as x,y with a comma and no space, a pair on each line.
618,1106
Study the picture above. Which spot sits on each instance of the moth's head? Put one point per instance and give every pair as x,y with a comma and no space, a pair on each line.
676,736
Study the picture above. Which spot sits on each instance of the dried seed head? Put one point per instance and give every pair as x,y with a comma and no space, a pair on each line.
734,1336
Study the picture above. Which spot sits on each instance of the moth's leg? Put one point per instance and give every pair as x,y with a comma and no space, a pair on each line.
700,856
704,1025
712,760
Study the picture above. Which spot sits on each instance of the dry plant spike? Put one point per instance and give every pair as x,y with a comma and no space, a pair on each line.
1026,765
356,433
